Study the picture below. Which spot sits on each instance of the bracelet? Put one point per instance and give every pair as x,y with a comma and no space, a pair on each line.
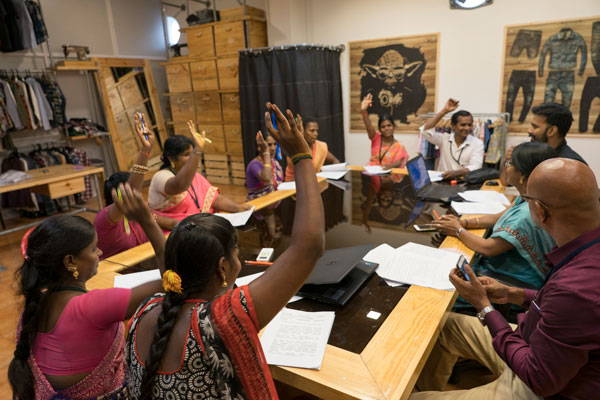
300,156
459,231
139,169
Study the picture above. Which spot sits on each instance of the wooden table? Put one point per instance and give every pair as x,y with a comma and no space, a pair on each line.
389,365
55,182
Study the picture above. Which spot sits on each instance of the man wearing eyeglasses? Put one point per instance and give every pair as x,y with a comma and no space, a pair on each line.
554,352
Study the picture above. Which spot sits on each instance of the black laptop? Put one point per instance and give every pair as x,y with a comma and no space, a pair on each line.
338,275
426,190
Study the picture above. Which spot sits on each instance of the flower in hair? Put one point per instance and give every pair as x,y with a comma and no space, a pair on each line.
171,281
24,243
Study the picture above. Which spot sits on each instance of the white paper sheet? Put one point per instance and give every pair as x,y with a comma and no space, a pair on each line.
245,280
416,264
466,207
128,281
297,338
332,174
287,186
239,218
339,184
380,254
435,176
335,167
375,170
484,196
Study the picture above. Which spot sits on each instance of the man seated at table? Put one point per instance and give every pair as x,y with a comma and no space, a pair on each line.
460,151
555,350
320,152
115,234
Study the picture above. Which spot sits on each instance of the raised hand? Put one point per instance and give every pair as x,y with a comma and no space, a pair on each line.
366,102
261,144
451,105
131,203
289,135
144,133
199,138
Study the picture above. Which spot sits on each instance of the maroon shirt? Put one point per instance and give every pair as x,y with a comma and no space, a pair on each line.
556,347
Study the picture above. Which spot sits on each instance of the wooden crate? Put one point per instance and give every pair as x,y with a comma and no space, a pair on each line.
229,38
182,107
178,77
114,99
228,73
130,91
200,41
215,134
223,179
238,181
256,32
208,108
204,75
238,174
107,77
235,148
228,14
212,164
231,108
216,147
216,157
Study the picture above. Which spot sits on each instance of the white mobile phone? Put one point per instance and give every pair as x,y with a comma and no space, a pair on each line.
265,254
424,228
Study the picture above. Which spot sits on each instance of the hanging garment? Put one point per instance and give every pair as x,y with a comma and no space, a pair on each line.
44,108
24,24
520,79
528,40
596,46
591,90
497,144
563,81
25,113
34,103
57,101
11,104
562,48
39,26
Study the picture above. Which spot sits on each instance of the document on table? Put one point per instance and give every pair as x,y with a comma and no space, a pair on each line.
466,207
375,170
239,218
484,196
335,175
297,338
435,176
416,264
339,184
380,254
128,281
245,280
287,186
335,167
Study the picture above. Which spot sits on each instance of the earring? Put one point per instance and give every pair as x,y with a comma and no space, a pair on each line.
522,180
73,270
224,284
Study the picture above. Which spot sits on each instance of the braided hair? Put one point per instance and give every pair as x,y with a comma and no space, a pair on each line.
42,270
193,250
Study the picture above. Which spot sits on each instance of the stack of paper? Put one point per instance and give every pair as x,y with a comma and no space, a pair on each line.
435,176
375,170
484,196
335,175
287,186
239,218
466,207
335,167
297,338
128,281
415,264
245,280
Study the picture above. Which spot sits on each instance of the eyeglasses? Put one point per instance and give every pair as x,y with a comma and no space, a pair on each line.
531,198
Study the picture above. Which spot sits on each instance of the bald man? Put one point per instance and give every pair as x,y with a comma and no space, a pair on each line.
555,350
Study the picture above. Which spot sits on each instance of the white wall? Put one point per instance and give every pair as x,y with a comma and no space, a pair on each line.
471,47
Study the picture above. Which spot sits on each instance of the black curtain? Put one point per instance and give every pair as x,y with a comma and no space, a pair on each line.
303,78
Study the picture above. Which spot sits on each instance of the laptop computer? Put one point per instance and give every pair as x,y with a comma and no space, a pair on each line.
426,190
338,275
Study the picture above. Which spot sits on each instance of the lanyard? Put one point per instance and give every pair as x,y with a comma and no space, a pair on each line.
386,150
459,154
193,196
572,255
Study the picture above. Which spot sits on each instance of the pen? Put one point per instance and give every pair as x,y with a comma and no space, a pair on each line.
259,263
125,220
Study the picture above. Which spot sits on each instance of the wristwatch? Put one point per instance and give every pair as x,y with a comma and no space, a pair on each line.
481,314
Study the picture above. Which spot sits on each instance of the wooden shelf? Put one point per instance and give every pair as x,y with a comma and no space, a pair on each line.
76,65
200,91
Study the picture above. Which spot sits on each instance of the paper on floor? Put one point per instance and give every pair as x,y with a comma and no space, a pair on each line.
239,218
128,281
466,207
297,338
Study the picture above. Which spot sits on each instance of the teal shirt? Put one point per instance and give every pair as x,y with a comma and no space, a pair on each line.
525,262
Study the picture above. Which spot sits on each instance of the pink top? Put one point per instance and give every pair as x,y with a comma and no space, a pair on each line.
387,155
83,334
112,238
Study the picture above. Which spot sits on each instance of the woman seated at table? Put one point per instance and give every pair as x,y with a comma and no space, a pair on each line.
70,341
114,234
385,149
263,175
515,250
178,190
318,150
200,338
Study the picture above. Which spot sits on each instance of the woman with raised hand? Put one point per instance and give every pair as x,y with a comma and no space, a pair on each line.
70,340
385,149
200,339
178,190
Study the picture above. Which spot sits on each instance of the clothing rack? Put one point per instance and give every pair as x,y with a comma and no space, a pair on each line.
303,46
504,115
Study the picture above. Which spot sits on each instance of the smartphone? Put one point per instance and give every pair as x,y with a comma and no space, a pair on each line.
424,228
274,120
461,268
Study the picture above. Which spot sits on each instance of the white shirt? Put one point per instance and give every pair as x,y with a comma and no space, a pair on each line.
468,155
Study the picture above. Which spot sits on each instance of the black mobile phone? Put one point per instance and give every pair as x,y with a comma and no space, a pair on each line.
461,268
424,228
